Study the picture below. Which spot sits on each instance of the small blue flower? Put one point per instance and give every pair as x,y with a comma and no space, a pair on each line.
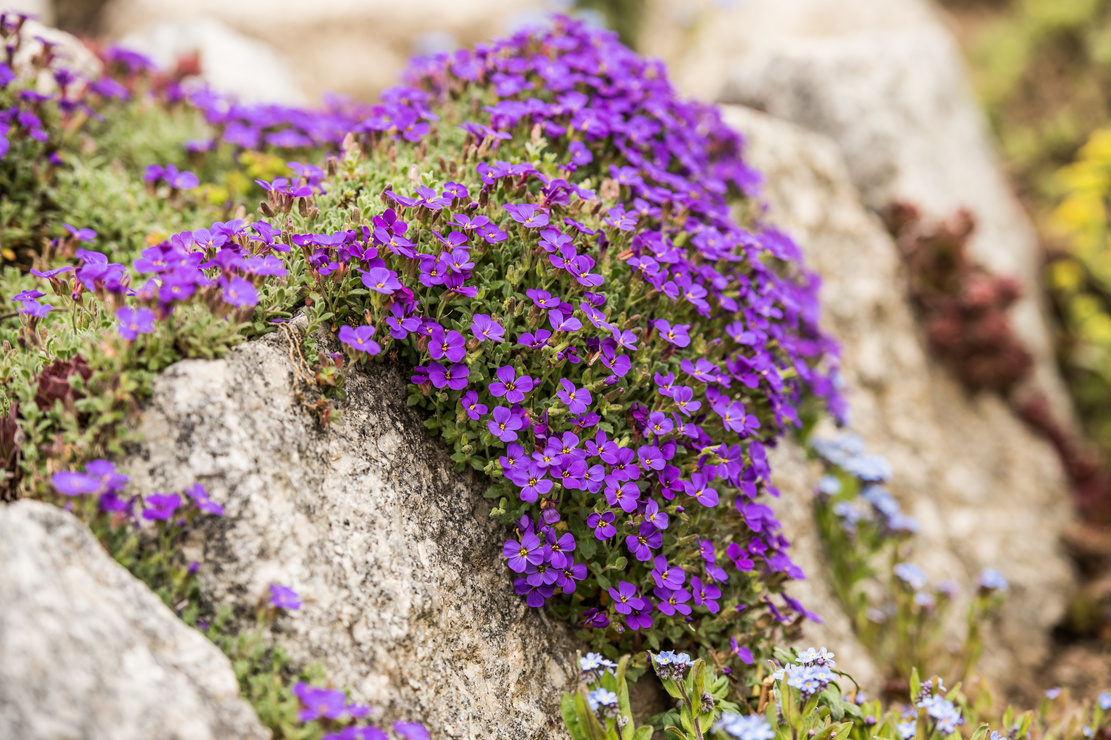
911,575
829,485
1105,701
750,727
993,580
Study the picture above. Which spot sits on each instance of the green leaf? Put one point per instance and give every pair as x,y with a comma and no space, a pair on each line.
915,683
643,733
570,717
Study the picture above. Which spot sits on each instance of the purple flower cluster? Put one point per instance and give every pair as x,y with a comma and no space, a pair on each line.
700,439
220,267
73,96
100,479
331,706
618,363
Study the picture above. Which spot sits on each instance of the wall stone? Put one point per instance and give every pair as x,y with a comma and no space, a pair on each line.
87,651
987,492
406,599
898,105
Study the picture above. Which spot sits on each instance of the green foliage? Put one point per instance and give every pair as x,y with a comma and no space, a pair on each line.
1043,70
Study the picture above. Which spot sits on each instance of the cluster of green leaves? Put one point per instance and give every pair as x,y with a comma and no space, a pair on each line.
1043,70
838,712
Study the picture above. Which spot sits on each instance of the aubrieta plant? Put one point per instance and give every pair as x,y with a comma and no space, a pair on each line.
894,609
561,284
547,235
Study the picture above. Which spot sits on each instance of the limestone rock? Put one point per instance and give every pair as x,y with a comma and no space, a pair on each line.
87,651
987,492
899,107
406,599
231,62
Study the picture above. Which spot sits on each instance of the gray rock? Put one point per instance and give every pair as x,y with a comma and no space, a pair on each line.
87,651
406,599
987,492
69,54
899,107
231,62
356,47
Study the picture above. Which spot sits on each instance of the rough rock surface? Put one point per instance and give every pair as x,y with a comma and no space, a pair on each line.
987,492
898,105
406,599
87,651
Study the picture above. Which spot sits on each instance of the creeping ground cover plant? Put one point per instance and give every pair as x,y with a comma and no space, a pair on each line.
569,257
573,266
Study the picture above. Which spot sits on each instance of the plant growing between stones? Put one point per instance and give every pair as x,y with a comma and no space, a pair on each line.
572,260
869,540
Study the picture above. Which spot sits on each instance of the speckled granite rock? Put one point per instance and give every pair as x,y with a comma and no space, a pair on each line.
406,599
87,651
987,492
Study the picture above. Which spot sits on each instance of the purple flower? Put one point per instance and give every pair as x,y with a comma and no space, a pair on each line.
741,652
595,619
699,488
284,597
411,730
81,235
449,345
644,541
510,386
625,598
560,322
161,506
530,480
672,600
641,618
654,516
240,292
667,577
381,280
505,424
602,524
483,327
542,299
684,397
578,400
359,339
454,377
560,547
72,483
318,701
677,334
470,404
531,216
35,309
706,594
624,495
521,554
